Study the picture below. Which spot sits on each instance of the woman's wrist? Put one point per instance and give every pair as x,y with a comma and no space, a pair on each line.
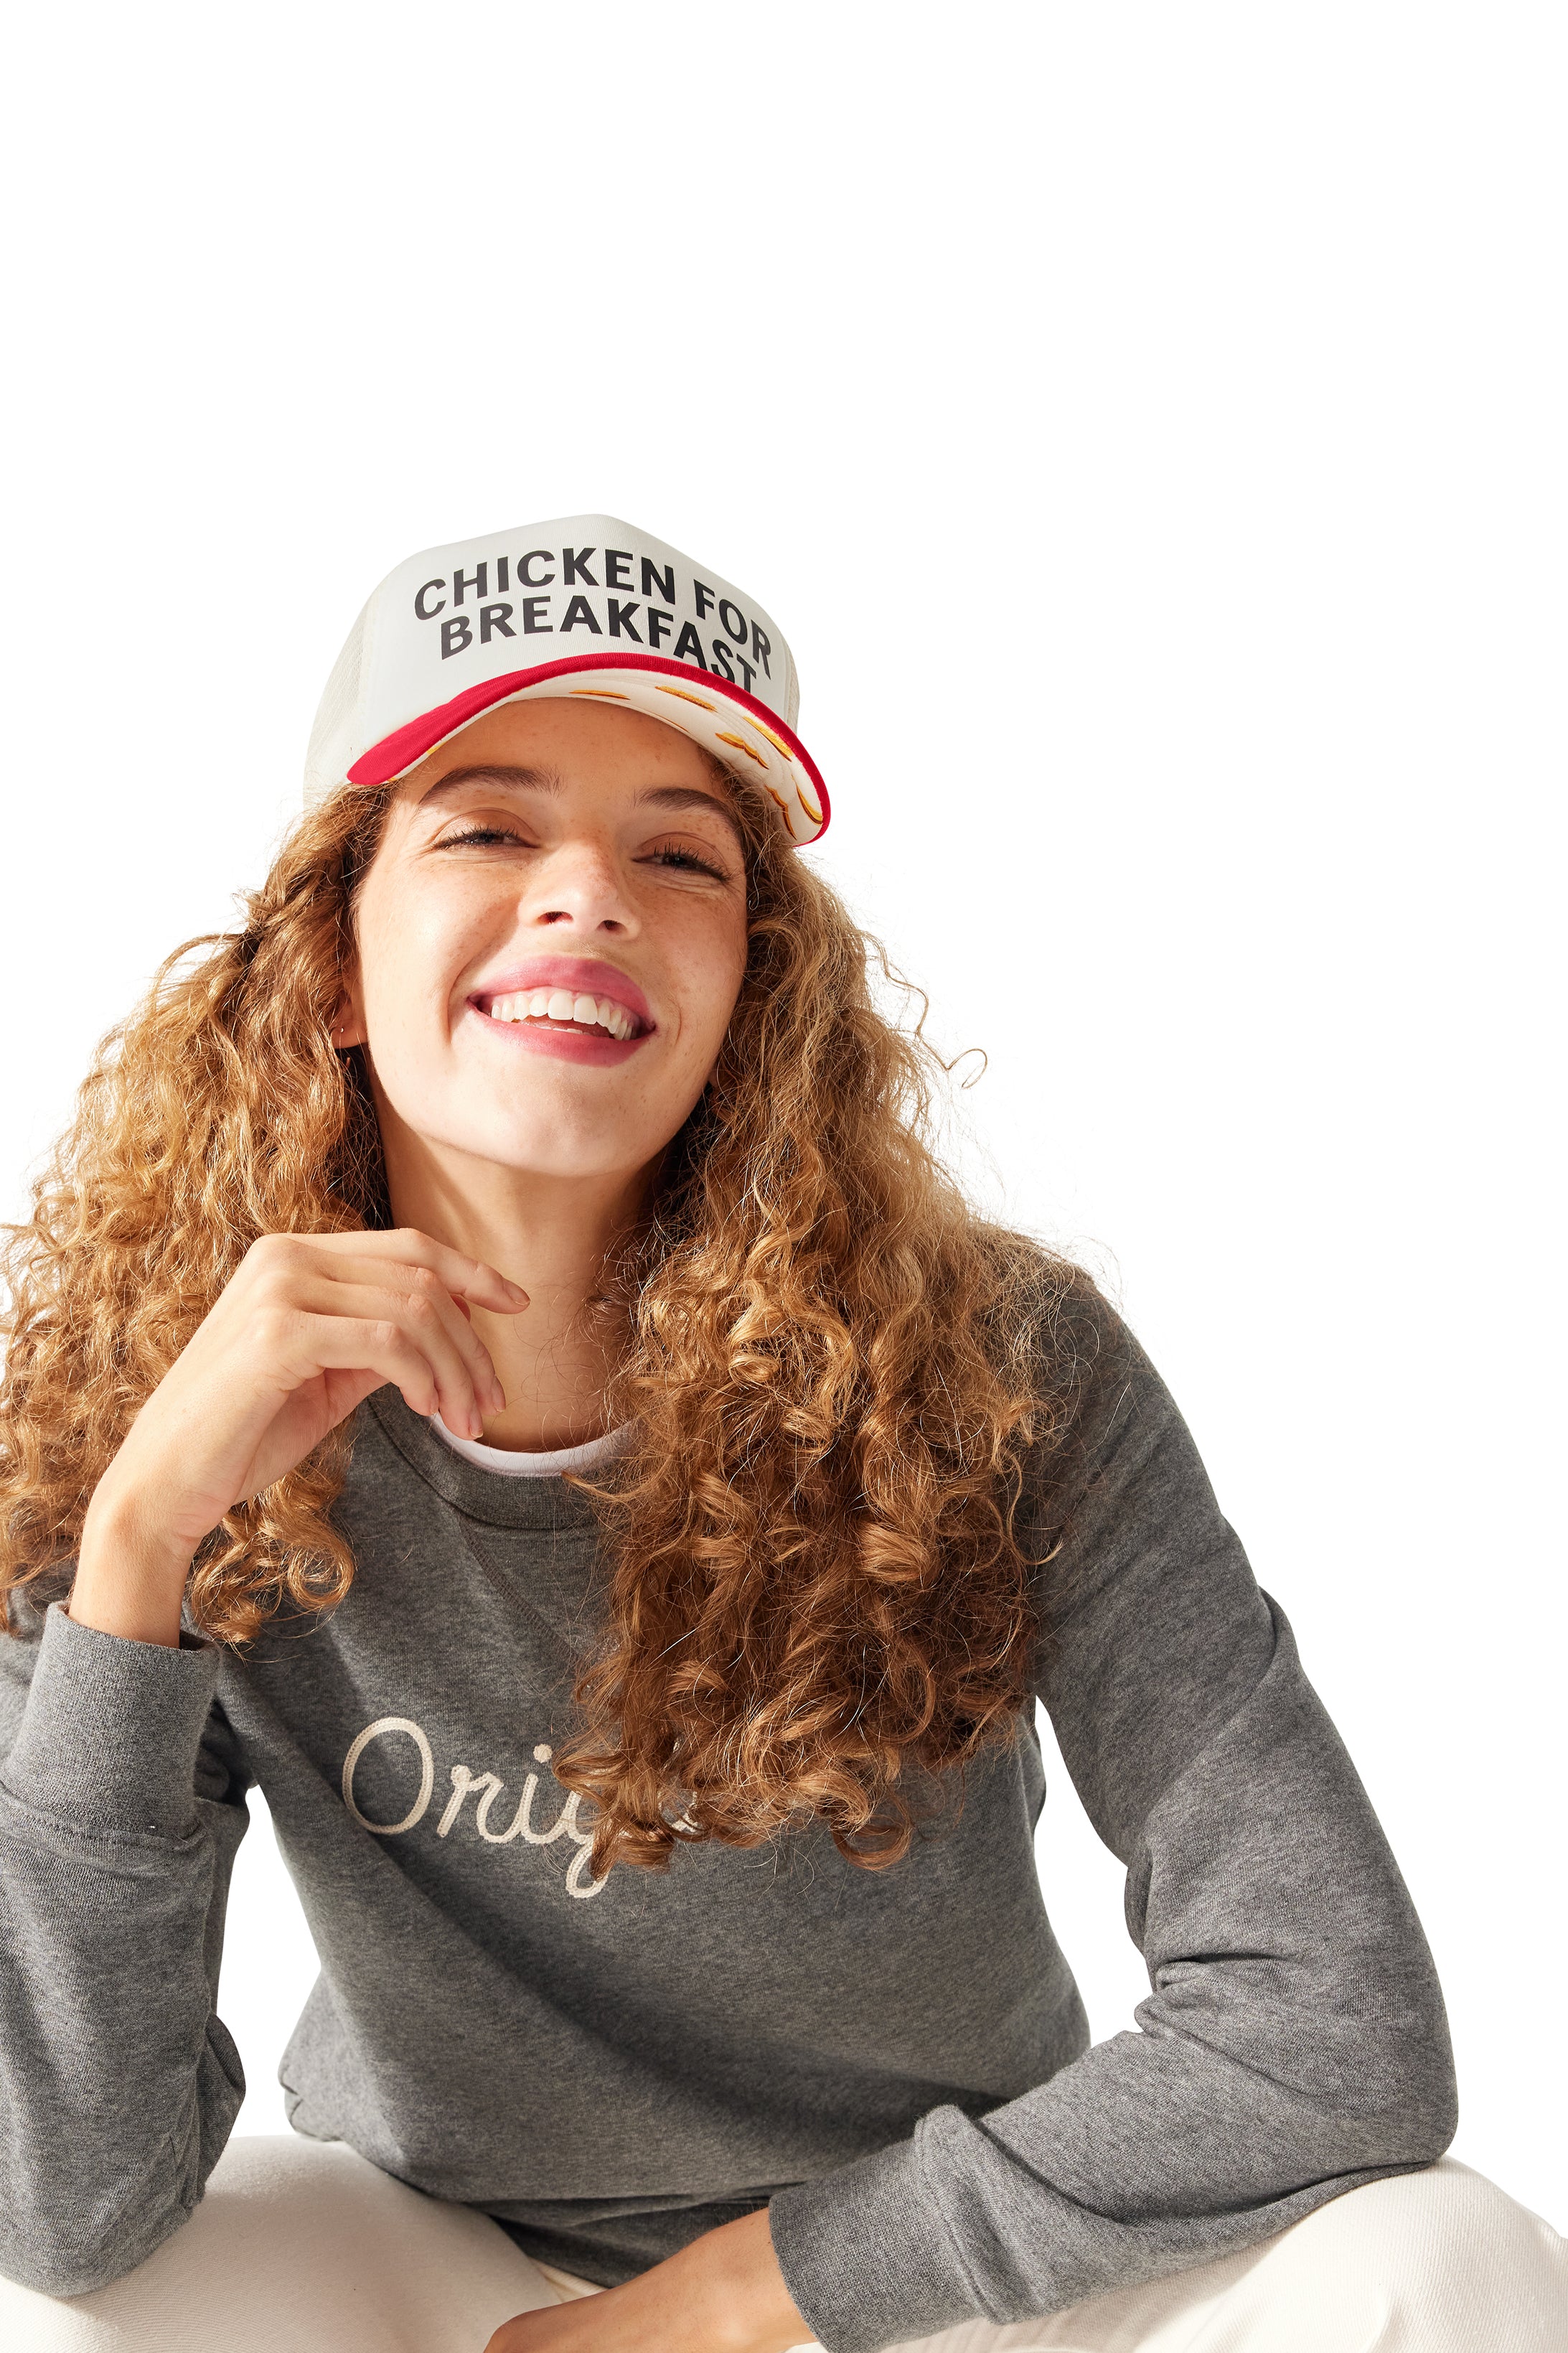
130,1572
724,2293
731,2278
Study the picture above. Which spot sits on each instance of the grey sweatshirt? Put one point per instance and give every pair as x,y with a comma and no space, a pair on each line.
896,2063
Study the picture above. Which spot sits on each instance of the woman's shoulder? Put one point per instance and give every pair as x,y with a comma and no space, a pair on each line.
1102,1412
1059,1332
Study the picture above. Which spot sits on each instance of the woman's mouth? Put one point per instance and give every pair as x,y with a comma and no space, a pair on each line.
558,1009
572,1008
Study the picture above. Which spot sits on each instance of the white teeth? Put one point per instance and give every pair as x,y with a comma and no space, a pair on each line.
560,1005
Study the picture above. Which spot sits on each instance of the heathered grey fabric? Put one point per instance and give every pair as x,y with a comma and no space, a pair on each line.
898,2061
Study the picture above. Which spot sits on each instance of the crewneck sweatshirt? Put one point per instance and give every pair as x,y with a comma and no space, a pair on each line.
896,2062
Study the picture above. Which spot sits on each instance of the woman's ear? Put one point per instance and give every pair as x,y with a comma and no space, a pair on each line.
347,1023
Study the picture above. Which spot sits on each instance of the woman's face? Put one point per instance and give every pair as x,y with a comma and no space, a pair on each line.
551,936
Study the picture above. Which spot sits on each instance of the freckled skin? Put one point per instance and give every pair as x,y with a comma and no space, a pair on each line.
593,869
531,1162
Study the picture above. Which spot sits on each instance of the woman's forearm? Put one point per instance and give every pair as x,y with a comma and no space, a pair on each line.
122,2084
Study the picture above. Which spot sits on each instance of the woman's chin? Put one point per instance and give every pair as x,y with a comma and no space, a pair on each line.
554,1139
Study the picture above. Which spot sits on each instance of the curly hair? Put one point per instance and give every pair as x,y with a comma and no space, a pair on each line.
842,1380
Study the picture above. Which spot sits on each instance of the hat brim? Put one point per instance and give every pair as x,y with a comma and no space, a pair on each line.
710,709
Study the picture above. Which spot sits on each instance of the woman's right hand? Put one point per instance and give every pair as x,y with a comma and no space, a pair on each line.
309,1327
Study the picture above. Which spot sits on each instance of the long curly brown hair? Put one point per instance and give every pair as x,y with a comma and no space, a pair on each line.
843,1382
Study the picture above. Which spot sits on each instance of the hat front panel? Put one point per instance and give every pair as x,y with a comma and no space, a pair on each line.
451,618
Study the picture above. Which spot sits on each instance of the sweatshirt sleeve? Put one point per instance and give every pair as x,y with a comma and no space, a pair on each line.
121,1808
1294,2042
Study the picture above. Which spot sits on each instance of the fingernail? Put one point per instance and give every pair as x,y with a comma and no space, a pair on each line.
516,1288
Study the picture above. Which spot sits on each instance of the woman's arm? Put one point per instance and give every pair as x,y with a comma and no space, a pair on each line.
122,1807
122,1796
1294,2042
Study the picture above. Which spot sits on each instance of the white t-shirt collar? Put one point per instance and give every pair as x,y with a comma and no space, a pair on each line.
507,1464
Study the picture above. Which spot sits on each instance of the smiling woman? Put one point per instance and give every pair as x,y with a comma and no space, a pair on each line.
637,827
543,1103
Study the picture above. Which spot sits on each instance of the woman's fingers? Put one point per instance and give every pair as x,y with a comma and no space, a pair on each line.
383,1345
467,1278
412,1284
463,1384
423,1293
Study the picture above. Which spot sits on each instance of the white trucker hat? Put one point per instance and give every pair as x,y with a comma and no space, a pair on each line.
585,606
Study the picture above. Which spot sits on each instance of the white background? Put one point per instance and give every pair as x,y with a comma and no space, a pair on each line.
1165,408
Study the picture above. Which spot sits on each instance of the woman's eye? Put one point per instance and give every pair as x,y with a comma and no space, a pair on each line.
480,836
692,862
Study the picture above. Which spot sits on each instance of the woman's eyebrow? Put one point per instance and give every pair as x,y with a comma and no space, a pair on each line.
680,797
542,780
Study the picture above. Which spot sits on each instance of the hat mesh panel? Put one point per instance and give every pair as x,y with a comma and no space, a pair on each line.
326,761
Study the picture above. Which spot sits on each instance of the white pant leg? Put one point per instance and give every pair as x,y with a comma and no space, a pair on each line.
302,2247
1436,2261
299,2246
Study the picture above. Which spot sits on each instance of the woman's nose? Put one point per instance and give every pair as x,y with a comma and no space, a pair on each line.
581,884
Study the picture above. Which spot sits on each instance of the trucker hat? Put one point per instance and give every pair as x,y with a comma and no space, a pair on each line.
585,606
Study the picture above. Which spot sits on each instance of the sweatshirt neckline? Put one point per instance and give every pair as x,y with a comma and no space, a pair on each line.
542,1504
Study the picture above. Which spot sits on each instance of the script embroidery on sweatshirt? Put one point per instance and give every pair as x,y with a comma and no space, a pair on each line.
485,1788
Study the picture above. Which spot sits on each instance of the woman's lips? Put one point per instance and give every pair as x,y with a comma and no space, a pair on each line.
564,1041
501,1002
582,976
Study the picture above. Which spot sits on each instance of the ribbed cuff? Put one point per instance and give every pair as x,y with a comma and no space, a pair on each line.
867,2257
111,1730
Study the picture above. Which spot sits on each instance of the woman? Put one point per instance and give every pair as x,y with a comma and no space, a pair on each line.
497,1364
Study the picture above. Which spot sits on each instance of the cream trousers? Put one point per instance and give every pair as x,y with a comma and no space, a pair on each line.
302,2246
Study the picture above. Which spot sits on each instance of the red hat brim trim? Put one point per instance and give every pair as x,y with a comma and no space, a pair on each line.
407,745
